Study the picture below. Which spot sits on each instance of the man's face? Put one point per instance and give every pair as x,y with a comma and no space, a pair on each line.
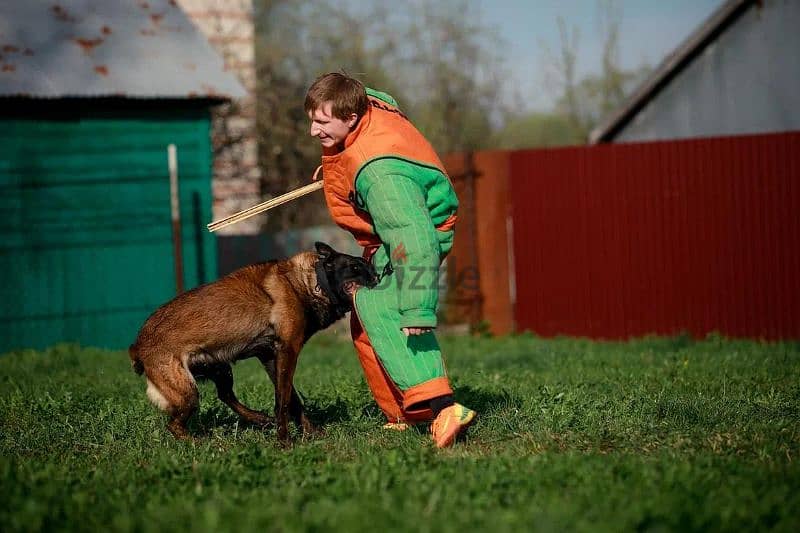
331,131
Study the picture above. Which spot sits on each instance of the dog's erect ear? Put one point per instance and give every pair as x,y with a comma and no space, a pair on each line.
323,250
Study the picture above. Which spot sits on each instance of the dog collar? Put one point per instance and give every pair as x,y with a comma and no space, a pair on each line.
324,284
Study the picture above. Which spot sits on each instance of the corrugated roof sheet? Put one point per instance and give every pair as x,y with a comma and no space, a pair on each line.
117,48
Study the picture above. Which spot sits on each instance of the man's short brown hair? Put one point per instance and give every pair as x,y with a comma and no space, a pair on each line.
346,94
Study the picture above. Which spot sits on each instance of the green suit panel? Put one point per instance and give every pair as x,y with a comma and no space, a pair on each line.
405,201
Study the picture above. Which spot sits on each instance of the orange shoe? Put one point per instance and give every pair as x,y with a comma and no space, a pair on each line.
450,422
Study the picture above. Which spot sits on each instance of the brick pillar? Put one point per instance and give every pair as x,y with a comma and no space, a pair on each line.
228,26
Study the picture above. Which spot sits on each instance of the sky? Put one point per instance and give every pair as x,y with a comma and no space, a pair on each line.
649,29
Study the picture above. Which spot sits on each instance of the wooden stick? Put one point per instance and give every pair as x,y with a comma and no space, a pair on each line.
265,206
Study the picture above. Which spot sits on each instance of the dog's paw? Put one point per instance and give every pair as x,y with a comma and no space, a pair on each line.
285,443
310,431
262,421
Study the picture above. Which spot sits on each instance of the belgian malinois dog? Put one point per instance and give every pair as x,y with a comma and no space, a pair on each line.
267,310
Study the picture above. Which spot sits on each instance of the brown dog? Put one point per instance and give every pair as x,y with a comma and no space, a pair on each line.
267,310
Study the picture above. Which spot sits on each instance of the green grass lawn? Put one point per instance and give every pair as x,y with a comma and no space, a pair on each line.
654,434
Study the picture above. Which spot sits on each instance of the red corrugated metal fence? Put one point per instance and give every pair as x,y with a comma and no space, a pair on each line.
624,240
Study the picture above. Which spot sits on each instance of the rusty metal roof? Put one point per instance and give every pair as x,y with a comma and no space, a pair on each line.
107,48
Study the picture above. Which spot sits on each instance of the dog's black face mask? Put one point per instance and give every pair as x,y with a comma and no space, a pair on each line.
343,274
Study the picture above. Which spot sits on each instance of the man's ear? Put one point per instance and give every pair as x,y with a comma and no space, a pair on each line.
352,120
323,250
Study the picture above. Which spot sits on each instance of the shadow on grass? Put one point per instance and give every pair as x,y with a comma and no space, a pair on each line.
486,401
327,413
204,422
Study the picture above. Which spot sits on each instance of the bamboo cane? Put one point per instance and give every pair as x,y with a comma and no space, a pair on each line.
265,206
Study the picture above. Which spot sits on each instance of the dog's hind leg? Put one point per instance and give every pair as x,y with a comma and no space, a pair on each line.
222,376
173,390
296,410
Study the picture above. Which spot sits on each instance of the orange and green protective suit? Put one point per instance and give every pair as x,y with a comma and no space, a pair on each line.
390,190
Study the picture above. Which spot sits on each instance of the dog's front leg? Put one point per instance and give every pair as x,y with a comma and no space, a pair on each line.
285,364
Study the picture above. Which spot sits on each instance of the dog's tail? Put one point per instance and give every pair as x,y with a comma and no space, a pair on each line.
136,362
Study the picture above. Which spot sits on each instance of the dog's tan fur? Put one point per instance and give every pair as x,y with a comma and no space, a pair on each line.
267,310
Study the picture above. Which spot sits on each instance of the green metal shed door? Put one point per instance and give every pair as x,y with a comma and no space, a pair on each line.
86,251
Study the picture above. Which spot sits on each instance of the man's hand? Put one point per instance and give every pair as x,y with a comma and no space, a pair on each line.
416,331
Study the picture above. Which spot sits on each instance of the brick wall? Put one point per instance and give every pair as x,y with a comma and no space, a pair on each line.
228,25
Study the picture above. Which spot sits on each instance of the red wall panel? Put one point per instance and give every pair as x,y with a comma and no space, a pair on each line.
694,236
